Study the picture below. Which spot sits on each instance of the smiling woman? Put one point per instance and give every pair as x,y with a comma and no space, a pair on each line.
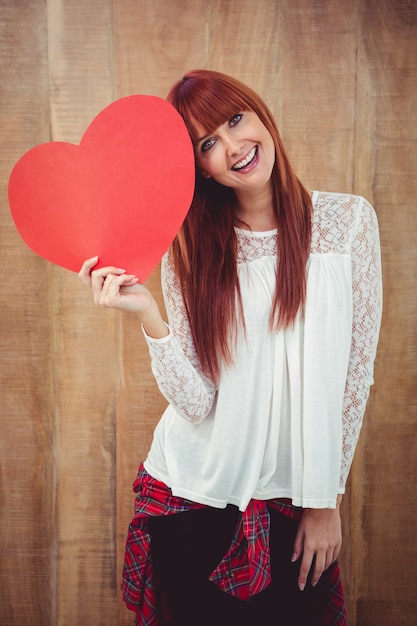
266,378
79,402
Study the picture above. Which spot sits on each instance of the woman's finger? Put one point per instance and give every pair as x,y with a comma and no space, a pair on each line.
86,268
305,567
111,291
319,567
99,277
88,274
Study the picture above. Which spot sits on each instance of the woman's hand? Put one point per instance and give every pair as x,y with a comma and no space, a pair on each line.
319,537
115,289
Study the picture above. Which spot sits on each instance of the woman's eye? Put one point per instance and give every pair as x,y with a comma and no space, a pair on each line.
206,145
235,119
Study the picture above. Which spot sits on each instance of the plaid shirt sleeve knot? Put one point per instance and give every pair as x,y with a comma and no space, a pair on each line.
245,569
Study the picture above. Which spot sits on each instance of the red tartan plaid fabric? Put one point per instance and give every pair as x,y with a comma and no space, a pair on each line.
245,569
331,610
243,572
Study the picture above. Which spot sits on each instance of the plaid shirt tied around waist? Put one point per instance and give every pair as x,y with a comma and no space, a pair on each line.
243,571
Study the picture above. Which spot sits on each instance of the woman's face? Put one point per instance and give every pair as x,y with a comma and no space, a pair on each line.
239,154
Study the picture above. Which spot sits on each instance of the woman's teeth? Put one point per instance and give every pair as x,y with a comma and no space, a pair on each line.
244,162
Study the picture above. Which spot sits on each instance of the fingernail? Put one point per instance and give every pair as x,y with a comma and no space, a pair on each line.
301,586
293,558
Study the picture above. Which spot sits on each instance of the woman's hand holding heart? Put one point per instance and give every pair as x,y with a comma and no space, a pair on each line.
113,288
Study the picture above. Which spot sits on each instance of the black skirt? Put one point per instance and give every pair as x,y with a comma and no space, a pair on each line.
186,548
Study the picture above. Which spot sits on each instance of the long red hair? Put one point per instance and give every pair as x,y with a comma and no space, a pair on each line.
204,251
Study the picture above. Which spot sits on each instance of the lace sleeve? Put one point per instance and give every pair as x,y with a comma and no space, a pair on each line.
174,361
367,308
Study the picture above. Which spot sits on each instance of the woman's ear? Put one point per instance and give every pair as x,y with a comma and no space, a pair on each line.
202,173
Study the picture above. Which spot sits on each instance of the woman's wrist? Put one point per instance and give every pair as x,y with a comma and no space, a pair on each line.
154,324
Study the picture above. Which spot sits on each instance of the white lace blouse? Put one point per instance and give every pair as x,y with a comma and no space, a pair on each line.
285,418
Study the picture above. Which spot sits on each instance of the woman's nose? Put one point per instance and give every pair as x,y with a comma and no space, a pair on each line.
233,145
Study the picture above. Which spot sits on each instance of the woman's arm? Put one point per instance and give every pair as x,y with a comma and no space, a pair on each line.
319,533
174,361
367,309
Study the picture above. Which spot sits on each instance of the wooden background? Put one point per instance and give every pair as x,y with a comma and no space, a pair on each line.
78,403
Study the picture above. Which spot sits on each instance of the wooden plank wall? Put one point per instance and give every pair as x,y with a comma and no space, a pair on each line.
78,403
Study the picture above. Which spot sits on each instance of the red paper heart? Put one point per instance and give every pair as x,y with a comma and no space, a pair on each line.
122,194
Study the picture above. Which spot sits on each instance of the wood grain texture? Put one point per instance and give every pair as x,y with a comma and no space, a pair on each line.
156,42
27,535
384,478
243,40
84,349
318,48
79,403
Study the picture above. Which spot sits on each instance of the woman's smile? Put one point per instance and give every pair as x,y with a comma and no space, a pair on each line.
247,162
